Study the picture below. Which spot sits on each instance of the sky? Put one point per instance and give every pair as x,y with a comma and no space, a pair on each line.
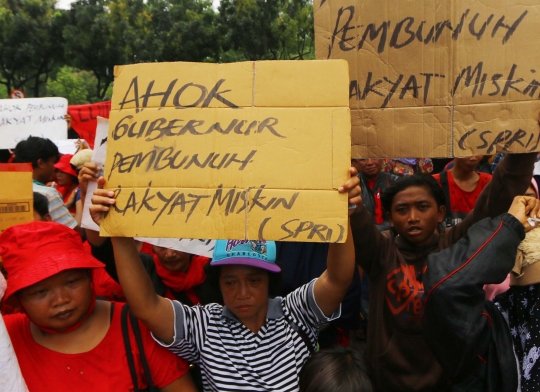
64,4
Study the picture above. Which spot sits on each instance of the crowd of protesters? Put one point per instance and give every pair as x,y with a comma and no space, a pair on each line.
435,289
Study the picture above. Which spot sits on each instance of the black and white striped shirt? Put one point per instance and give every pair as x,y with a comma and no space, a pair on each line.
232,358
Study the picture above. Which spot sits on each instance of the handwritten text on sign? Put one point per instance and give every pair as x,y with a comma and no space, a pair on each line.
229,151
433,54
20,118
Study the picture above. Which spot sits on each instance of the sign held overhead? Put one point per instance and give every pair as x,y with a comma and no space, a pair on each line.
436,78
228,151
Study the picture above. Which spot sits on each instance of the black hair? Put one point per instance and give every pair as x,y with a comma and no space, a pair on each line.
41,204
212,283
337,369
420,180
33,149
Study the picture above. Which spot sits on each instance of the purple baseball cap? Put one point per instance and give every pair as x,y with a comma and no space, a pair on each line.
258,254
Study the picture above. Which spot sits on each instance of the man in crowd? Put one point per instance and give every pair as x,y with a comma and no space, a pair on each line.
462,186
398,355
43,154
373,182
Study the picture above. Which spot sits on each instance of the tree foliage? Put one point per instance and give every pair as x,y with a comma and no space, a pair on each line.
81,46
30,43
76,86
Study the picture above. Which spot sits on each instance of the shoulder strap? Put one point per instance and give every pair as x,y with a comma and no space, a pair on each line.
144,362
302,335
127,345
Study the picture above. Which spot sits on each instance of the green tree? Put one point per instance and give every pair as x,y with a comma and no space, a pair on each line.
295,30
249,27
76,86
183,30
30,43
266,30
90,43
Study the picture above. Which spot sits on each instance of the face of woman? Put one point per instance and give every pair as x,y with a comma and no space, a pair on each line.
60,301
62,178
173,260
245,291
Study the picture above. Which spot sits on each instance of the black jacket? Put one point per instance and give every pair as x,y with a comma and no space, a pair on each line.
468,335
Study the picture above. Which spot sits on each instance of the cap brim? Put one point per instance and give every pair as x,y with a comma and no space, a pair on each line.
247,261
47,267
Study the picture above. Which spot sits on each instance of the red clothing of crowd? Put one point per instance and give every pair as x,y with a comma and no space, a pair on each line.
104,368
379,214
460,200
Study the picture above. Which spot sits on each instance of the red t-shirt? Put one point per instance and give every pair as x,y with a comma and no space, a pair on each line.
379,215
104,368
461,201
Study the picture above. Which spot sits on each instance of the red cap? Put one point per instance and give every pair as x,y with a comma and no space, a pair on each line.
35,251
64,165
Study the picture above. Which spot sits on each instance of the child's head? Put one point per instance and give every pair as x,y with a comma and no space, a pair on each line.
41,208
337,369
418,180
415,206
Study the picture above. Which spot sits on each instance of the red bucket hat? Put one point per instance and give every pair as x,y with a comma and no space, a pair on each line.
64,165
36,251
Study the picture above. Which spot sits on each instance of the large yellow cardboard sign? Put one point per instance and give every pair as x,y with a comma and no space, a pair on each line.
436,78
252,150
16,198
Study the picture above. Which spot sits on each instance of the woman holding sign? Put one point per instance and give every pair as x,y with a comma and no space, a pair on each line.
252,342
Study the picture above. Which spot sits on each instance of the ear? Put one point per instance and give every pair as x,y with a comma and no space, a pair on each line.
47,218
442,214
40,162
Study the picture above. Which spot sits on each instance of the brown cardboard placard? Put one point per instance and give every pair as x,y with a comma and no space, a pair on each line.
252,150
424,73
16,200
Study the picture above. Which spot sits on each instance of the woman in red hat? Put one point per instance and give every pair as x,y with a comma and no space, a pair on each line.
66,340
67,181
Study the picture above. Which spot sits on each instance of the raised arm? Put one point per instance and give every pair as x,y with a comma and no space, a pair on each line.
511,178
154,311
368,240
458,321
331,287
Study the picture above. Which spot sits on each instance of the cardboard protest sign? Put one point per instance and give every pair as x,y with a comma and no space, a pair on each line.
98,157
17,199
20,118
252,150
195,247
84,119
436,78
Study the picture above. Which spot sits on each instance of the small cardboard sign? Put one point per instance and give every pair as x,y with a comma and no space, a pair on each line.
252,150
432,78
20,118
17,199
